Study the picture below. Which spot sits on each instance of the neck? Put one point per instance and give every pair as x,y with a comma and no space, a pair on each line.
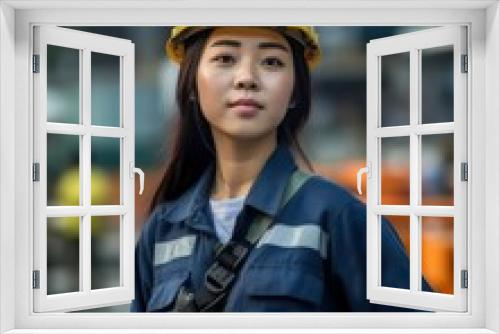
238,164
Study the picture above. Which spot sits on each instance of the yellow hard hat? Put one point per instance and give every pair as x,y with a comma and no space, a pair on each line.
306,35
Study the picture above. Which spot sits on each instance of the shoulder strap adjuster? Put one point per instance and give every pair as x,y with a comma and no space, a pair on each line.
218,278
223,271
231,254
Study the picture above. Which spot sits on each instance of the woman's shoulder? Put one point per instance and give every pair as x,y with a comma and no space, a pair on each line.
164,212
159,212
329,193
172,209
322,185
158,220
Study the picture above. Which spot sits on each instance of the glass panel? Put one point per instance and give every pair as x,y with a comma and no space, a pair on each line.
63,255
395,94
437,169
395,226
63,84
105,183
63,176
105,252
437,253
395,171
437,84
105,88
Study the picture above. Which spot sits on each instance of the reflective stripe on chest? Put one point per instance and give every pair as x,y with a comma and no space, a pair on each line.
308,236
167,251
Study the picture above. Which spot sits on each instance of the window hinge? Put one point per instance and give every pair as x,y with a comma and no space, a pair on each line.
36,279
465,279
465,64
36,171
464,171
36,63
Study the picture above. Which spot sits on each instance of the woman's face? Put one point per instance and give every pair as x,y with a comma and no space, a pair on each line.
245,80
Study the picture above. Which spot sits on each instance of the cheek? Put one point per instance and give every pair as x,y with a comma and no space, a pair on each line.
280,89
210,90
204,87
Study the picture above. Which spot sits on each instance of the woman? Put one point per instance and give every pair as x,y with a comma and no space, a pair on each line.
291,240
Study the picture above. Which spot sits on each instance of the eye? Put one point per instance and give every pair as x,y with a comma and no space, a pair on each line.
273,62
224,59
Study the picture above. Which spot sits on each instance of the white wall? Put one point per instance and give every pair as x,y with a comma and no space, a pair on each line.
7,171
492,122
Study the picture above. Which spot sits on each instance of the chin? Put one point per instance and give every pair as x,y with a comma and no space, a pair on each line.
250,135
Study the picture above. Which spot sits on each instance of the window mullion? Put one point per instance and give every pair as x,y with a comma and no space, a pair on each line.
85,228
415,235
125,193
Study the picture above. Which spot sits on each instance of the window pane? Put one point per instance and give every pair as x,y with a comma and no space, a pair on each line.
437,169
395,171
105,89
437,84
105,252
437,253
105,185
63,260
395,94
63,84
391,278
63,177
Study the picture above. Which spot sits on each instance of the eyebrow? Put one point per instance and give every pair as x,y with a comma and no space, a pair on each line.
263,45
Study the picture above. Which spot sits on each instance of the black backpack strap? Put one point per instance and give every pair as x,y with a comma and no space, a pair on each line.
230,257
261,223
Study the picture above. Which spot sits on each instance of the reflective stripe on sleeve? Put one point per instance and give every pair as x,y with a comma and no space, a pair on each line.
308,236
167,251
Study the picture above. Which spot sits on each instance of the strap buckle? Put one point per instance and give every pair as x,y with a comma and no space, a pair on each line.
218,278
222,272
231,254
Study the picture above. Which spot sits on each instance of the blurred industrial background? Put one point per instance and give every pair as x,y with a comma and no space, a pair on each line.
334,140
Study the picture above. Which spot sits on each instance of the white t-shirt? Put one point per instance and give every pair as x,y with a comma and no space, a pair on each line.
225,212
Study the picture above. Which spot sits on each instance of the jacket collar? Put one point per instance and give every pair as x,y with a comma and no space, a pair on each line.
264,195
269,187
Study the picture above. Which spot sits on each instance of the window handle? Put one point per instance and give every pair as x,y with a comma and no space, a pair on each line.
362,171
139,171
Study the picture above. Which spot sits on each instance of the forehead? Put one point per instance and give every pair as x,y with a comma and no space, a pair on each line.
247,33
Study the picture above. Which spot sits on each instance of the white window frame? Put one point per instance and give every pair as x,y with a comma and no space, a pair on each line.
16,213
413,44
85,43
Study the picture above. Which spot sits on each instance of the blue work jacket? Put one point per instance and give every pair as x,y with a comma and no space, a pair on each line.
312,258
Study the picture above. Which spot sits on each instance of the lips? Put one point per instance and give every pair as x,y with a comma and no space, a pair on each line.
246,103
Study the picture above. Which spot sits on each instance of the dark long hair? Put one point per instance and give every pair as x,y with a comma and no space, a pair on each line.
193,148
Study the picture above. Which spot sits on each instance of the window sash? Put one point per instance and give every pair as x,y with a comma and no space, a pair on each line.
86,43
412,43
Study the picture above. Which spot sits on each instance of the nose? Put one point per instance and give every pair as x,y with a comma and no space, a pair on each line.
246,77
